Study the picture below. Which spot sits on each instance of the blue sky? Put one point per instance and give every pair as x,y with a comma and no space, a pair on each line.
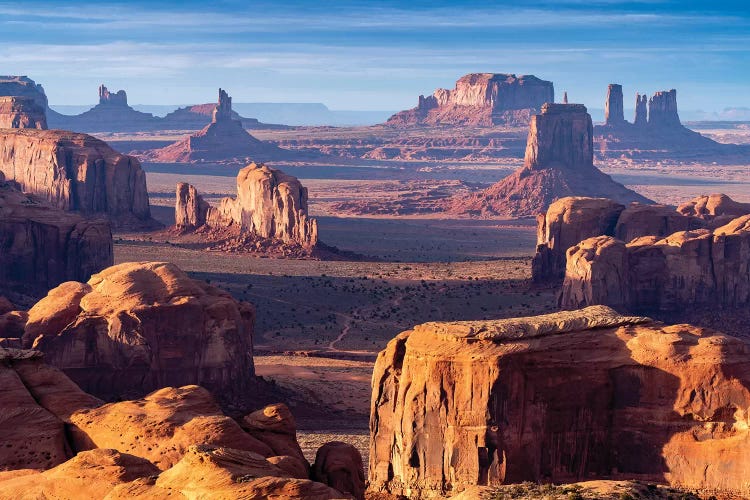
376,55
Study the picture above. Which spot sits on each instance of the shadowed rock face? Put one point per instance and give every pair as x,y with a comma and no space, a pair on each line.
558,163
21,112
613,109
269,204
77,172
135,327
558,398
23,86
688,269
41,246
480,99
662,109
119,98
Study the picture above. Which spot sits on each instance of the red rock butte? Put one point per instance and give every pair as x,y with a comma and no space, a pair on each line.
480,99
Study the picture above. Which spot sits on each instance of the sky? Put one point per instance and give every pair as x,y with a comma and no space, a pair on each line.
376,55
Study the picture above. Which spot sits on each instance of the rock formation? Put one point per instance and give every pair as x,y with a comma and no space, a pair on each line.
662,109
21,112
222,140
135,327
558,163
695,269
339,465
77,172
199,115
571,220
112,114
480,99
559,398
641,111
41,246
23,86
269,204
613,109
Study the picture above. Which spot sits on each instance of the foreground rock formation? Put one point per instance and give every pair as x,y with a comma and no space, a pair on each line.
559,398
701,268
480,99
22,103
559,162
269,204
41,246
573,219
59,442
77,172
222,140
135,327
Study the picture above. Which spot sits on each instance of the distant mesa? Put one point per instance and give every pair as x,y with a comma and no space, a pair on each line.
481,100
270,205
119,98
22,103
559,162
222,140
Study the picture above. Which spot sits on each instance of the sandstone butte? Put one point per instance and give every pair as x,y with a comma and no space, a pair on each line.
269,204
559,162
656,127
564,397
702,268
42,246
480,99
139,326
59,442
77,172
223,139
573,219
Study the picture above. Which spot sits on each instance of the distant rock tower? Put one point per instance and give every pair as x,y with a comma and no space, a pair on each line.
565,97
641,118
223,110
613,107
662,109
120,98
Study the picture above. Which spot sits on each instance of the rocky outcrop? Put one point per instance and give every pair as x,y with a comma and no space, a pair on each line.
480,99
21,112
662,110
641,111
715,205
567,222
686,270
269,204
77,172
339,465
23,86
224,139
558,163
614,114
559,398
41,246
135,327
199,115
107,98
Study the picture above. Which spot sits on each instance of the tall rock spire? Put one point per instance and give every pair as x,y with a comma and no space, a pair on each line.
613,107
641,118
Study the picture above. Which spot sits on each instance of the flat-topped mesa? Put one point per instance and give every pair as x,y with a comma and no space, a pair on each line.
561,136
119,98
581,395
23,86
269,204
480,99
662,109
77,172
223,109
641,110
614,113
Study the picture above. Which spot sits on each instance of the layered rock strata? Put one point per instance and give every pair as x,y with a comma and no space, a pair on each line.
480,99
76,172
558,163
269,204
21,112
135,327
41,246
576,395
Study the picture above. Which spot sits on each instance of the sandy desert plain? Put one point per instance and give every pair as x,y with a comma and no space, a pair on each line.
320,323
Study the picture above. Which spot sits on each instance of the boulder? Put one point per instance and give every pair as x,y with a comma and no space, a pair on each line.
274,425
42,246
558,163
190,209
339,465
139,326
480,99
559,398
76,172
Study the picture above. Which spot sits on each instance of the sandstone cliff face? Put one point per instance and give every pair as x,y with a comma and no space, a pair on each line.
41,246
23,86
584,394
662,109
613,108
480,99
688,269
76,172
223,139
135,327
558,163
641,110
269,204
21,112
715,205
